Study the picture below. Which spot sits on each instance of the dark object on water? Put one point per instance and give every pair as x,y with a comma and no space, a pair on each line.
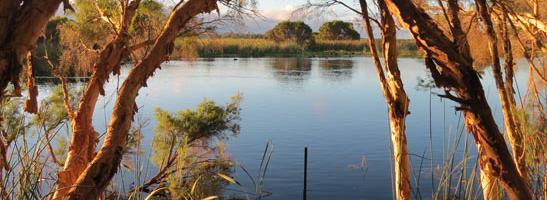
305,172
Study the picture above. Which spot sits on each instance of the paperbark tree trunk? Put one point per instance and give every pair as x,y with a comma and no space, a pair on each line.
454,72
96,177
20,26
513,133
394,93
21,23
84,137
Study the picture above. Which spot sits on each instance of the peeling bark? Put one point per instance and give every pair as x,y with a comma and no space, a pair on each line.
453,71
513,133
31,104
96,177
460,38
394,94
20,27
84,137
517,140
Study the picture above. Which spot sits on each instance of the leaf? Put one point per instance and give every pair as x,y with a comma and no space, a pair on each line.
194,186
154,192
210,198
229,179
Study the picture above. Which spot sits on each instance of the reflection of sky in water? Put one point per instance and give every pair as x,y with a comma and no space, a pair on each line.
334,106
291,71
336,70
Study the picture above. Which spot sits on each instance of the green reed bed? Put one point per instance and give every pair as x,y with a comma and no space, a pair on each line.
258,47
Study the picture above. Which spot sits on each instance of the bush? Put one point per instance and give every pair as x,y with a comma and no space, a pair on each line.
338,30
298,32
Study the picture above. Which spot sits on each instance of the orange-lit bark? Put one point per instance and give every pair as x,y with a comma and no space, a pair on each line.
84,137
96,177
394,93
31,104
21,23
454,72
513,133
20,26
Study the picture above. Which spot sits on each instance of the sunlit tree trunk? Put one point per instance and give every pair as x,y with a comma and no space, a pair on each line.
488,183
394,94
517,140
454,72
96,177
84,137
512,131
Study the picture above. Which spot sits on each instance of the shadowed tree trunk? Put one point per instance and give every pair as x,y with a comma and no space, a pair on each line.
394,94
21,23
96,177
454,72
84,137
513,133
488,183
506,92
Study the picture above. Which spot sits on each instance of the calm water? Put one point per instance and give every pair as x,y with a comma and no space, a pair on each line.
332,106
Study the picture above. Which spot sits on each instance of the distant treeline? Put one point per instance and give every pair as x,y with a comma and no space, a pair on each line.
235,45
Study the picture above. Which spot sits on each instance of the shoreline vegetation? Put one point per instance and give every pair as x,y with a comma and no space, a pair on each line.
96,38
260,47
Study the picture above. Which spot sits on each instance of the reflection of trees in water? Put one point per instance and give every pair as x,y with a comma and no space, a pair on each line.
336,70
290,70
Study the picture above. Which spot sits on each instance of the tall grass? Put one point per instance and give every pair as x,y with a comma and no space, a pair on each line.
258,47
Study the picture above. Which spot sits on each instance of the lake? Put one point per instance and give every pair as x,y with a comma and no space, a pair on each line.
333,106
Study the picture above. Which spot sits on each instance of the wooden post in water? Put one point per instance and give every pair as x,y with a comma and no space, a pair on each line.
305,171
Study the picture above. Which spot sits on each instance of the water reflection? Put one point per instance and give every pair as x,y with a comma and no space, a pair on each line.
291,70
336,70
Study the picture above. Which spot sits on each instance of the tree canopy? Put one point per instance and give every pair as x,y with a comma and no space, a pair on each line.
296,31
338,30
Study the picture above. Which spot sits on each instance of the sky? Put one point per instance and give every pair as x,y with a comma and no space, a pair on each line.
275,11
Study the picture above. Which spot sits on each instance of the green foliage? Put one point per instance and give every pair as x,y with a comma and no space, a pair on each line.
52,110
209,120
29,140
95,24
297,31
52,32
149,15
50,43
13,124
52,115
181,145
338,30
241,47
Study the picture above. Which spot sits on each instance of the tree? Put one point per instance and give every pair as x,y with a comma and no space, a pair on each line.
97,175
297,31
394,93
84,137
176,135
20,27
392,86
505,91
338,30
451,67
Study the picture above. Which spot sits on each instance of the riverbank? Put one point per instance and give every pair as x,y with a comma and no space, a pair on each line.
257,47
192,48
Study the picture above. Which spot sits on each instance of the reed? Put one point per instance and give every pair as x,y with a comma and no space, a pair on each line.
189,48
